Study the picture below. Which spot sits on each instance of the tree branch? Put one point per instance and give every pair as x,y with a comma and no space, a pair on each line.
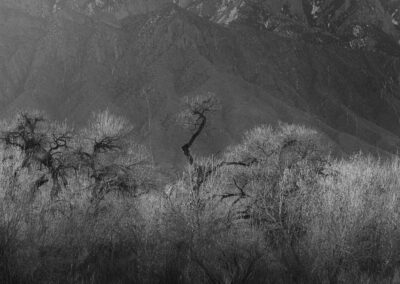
186,147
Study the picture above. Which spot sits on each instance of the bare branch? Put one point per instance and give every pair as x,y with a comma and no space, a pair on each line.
106,144
186,147
194,116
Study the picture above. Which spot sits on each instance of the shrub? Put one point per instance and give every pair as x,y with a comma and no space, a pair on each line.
354,219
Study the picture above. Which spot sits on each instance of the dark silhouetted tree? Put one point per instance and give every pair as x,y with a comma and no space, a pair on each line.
194,117
43,143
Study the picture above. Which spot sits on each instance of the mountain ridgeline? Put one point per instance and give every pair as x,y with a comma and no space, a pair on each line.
333,65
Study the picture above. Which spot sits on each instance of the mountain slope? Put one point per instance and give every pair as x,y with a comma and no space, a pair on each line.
361,23
141,66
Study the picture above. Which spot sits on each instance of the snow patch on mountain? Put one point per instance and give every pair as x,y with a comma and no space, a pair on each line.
315,9
228,18
396,17
228,11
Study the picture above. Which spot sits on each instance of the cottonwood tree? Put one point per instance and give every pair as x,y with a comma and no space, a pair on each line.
271,166
292,160
104,150
194,117
44,144
203,211
112,160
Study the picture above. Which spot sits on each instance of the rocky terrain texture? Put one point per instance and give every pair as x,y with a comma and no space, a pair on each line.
333,65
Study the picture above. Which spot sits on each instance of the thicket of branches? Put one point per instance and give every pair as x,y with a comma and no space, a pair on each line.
88,206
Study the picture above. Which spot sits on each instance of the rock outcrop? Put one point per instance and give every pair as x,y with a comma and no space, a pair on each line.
335,16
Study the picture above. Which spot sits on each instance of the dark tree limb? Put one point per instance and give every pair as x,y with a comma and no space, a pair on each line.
36,185
45,149
196,113
186,147
107,144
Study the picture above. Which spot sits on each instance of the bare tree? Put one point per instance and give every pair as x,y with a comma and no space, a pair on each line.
113,162
42,143
194,117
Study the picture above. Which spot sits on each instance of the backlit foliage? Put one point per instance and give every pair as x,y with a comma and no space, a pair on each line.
276,208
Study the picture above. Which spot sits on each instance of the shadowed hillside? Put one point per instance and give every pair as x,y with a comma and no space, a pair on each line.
140,66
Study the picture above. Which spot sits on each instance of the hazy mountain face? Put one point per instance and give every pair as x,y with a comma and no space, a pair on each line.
44,8
331,64
335,16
